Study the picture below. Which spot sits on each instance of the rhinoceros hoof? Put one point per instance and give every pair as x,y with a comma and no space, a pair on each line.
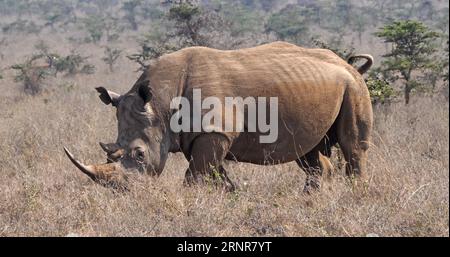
312,185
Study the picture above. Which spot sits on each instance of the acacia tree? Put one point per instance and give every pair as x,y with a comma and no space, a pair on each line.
411,53
184,27
111,57
153,45
73,64
185,24
193,25
32,75
99,27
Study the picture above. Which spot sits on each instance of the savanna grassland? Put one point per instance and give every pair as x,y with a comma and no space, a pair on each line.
43,194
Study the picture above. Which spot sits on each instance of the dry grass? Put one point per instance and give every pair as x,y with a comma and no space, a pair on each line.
42,193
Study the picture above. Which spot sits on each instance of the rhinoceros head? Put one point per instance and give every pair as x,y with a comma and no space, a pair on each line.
143,141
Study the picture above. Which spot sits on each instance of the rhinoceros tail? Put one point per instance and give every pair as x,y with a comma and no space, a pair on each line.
366,66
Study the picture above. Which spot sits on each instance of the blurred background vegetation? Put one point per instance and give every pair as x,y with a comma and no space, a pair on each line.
408,38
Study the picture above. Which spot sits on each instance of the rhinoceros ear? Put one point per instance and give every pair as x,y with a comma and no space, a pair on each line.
108,97
145,92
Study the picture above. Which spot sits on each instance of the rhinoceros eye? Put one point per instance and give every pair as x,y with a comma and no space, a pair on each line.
139,155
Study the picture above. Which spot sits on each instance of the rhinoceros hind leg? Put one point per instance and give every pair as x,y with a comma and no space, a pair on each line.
207,155
354,132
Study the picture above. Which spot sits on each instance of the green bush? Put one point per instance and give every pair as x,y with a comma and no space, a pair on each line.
73,64
380,90
31,75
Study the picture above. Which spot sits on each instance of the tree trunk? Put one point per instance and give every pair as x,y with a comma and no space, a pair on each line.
408,86
407,93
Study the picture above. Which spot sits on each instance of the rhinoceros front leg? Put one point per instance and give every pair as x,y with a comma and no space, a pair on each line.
310,163
205,166
317,165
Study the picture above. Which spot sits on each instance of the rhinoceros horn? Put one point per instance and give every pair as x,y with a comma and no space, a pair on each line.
108,174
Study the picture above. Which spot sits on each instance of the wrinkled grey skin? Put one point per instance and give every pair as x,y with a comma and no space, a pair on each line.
142,142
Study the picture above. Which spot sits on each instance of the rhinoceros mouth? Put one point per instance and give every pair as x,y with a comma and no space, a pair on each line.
108,174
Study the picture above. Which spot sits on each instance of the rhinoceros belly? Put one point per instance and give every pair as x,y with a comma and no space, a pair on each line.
299,131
